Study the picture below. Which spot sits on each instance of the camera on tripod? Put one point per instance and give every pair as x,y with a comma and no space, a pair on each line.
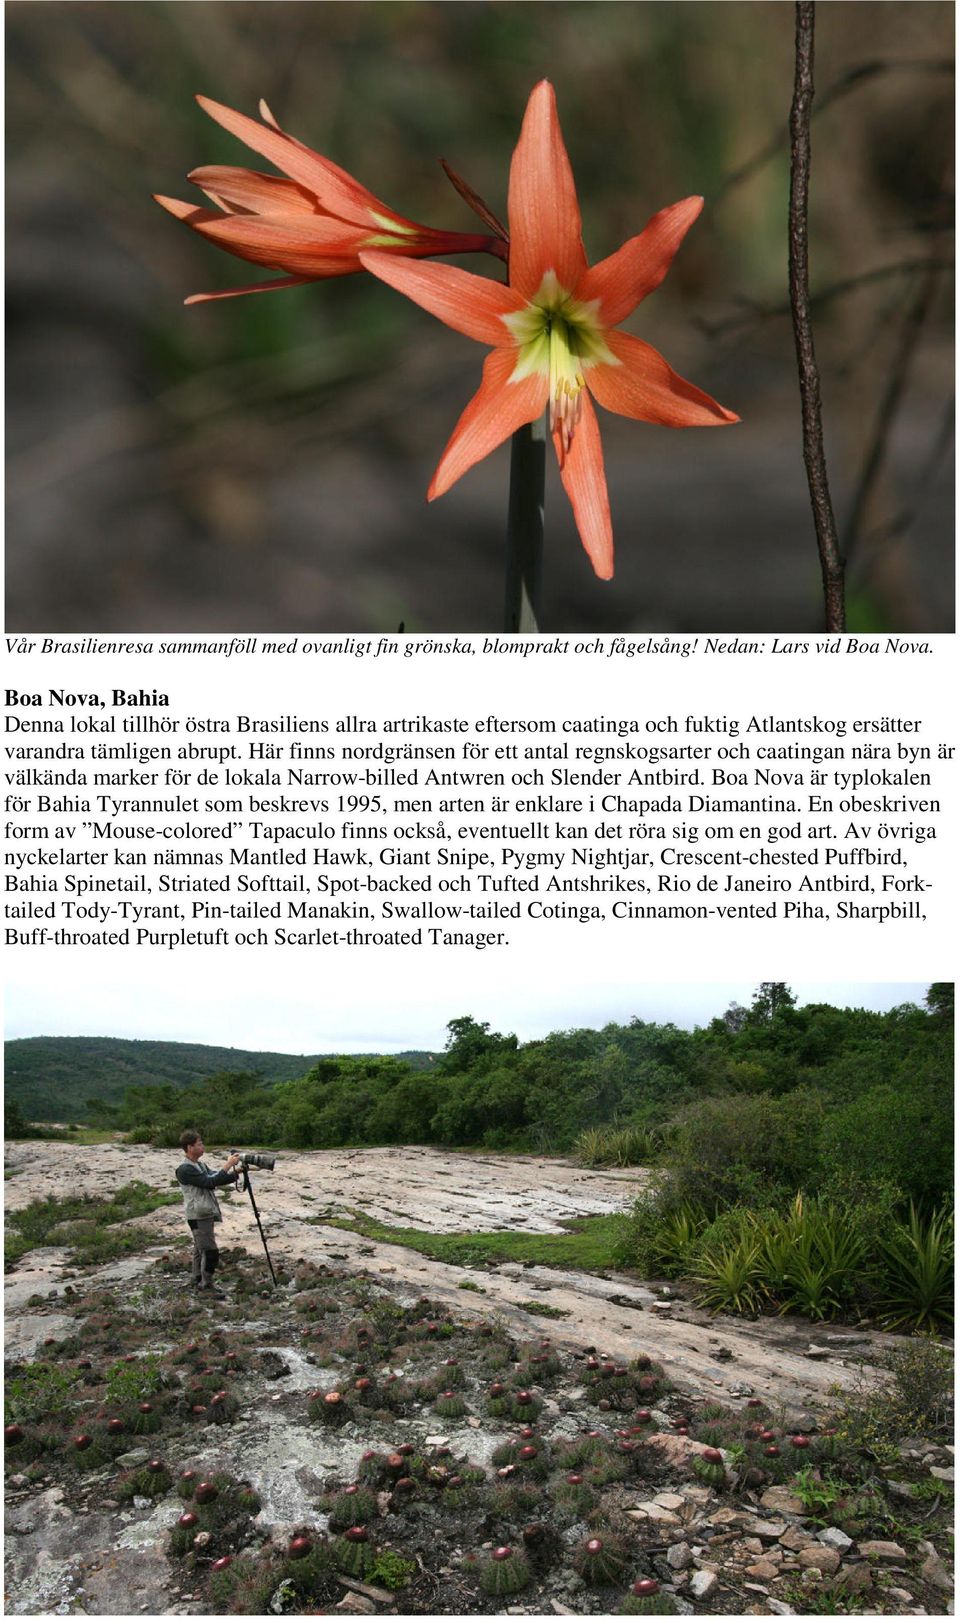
259,1161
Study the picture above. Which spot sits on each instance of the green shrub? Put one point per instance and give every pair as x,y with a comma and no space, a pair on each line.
129,1381
37,1392
392,1571
914,1398
740,1149
904,1135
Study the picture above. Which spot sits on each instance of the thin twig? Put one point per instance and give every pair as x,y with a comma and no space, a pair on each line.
864,73
913,325
752,310
831,562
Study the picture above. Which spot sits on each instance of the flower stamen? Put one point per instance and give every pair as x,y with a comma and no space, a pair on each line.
566,381
559,336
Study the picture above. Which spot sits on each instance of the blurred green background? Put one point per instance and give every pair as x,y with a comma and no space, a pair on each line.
262,463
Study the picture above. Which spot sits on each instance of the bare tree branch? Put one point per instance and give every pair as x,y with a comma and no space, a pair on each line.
752,310
831,562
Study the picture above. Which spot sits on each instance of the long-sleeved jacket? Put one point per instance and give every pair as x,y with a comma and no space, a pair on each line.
197,1182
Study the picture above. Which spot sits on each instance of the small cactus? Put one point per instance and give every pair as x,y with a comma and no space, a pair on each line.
601,1560
504,1572
372,1468
449,1404
645,1597
352,1507
352,1552
708,1466
329,1408
575,1497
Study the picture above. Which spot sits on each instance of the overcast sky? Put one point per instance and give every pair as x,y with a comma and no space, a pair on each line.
355,1007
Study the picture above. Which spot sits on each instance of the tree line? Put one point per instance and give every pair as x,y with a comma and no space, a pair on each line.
793,1097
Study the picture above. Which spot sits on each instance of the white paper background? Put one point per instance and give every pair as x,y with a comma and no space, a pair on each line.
553,975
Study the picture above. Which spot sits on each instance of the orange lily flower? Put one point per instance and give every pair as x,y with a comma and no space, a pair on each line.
314,223
552,329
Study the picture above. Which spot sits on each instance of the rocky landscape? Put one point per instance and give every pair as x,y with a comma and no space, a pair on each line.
383,1432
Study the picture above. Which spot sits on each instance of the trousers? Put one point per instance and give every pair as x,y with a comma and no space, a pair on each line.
205,1252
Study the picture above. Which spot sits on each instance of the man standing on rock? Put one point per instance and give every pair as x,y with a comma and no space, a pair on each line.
197,1182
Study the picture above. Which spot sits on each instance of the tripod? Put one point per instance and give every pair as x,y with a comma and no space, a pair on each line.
248,1189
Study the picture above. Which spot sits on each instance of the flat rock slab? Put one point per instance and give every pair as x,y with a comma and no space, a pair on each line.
51,1567
437,1191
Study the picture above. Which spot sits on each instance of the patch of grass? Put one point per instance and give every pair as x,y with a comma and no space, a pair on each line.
590,1244
932,1490
79,1223
88,1136
536,1307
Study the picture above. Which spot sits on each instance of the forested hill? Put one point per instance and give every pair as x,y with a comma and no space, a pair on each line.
57,1077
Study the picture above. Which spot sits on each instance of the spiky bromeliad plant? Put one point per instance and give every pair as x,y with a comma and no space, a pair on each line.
729,1278
914,1281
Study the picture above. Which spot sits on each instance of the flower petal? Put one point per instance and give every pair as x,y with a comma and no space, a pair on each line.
245,191
644,387
322,247
188,212
255,287
496,410
638,268
581,470
336,190
543,210
471,304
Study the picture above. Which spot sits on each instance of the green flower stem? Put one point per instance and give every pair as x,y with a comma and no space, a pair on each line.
525,527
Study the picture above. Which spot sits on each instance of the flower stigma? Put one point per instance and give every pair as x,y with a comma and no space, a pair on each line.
560,337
